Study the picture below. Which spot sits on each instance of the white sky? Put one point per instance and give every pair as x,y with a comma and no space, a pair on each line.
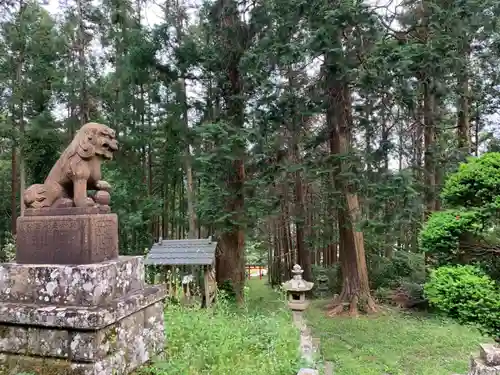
152,14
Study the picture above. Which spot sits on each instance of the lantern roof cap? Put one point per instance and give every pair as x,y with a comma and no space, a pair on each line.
297,283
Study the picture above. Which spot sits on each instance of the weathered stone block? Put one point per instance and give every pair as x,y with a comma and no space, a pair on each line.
112,351
80,317
85,285
308,371
13,339
58,211
479,367
490,353
154,327
110,336
47,343
67,239
87,346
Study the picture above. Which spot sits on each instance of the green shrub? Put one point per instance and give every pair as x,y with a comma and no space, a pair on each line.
8,251
383,295
406,294
440,237
321,282
333,280
468,295
227,288
490,264
414,293
386,272
490,261
475,184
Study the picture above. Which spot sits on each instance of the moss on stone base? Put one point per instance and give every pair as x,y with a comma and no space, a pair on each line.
15,364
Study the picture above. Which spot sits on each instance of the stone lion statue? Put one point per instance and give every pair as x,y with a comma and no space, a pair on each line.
77,170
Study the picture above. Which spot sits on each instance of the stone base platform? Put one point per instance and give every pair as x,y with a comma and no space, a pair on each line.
488,361
96,319
76,235
479,367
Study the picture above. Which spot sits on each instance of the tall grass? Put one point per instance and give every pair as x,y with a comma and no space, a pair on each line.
258,339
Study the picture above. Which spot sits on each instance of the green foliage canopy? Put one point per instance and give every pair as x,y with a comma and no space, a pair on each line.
472,193
475,184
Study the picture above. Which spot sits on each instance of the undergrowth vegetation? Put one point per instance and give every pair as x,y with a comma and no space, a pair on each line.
258,339
393,342
399,280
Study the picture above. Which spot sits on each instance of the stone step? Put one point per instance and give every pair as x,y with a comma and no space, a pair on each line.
65,285
97,318
78,317
116,350
328,368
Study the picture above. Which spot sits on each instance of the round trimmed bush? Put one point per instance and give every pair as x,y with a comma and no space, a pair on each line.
468,295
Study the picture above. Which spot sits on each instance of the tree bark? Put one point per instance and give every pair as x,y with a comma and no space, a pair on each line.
192,218
277,254
477,127
84,116
190,195
231,257
463,123
285,241
388,242
303,254
17,109
355,292
233,238
429,144
14,188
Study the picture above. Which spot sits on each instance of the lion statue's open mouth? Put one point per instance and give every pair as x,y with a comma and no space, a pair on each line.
108,147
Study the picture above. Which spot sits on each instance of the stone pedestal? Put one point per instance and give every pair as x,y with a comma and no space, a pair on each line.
66,236
96,319
488,362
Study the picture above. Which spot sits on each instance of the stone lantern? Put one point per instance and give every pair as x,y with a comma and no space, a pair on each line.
296,289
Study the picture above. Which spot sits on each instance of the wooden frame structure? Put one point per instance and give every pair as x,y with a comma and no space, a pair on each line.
261,270
199,252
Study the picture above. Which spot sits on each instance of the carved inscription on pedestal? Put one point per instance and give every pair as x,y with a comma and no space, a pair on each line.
49,239
105,235
70,239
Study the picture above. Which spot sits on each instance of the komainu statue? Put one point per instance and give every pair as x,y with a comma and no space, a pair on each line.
77,170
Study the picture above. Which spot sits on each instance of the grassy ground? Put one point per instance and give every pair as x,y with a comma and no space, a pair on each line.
259,339
394,343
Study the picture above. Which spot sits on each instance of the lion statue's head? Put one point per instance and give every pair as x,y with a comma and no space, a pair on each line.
95,139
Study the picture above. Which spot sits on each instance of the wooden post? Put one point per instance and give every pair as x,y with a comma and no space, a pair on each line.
186,290
213,283
206,280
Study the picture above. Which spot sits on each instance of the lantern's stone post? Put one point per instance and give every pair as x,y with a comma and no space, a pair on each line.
296,290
